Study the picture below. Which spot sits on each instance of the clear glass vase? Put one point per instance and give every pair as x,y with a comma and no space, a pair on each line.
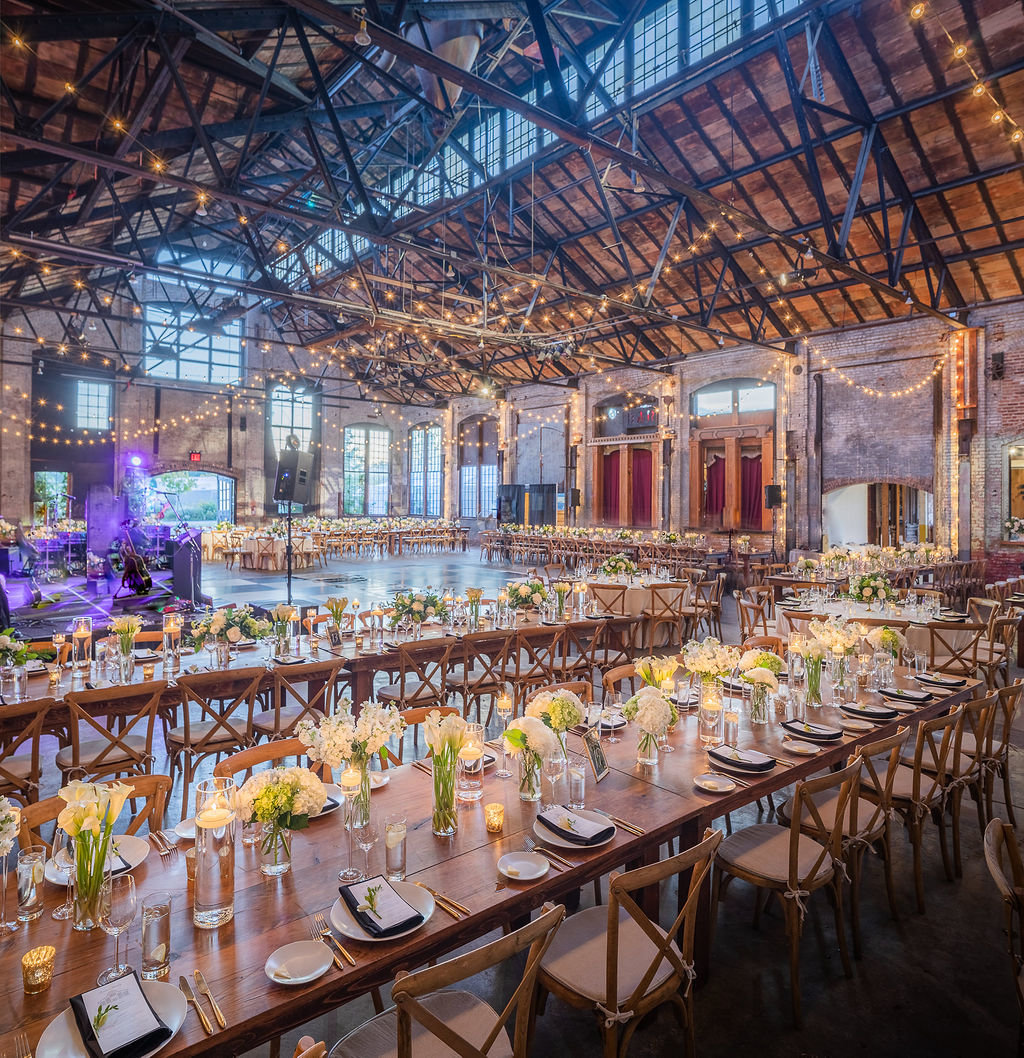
445,817
813,675
647,748
87,876
529,775
275,850
711,713
759,704
360,814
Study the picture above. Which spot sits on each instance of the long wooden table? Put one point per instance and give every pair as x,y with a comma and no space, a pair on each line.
271,912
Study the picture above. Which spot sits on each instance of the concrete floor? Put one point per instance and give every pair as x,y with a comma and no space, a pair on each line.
933,985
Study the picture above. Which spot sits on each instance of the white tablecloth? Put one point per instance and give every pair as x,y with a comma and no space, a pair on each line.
917,634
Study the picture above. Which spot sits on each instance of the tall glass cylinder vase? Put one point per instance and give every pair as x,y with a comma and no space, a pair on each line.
647,748
445,820
529,775
223,654
711,713
359,815
88,872
215,853
127,659
275,850
813,666
759,699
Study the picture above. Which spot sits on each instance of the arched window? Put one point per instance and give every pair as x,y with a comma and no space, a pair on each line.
367,471
425,477
478,467
291,412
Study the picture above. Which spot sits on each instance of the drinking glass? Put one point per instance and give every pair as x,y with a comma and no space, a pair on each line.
908,657
395,829
554,766
577,780
58,639
616,710
156,936
920,661
31,864
214,892
117,913
63,852
470,766
367,837
210,646
503,707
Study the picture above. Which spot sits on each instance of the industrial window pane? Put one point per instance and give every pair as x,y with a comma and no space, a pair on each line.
433,506
355,470
468,491
487,144
489,490
291,413
719,403
713,25
177,342
417,469
655,47
757,398
92,407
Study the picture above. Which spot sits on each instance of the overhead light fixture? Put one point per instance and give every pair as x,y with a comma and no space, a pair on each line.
362,37
638,184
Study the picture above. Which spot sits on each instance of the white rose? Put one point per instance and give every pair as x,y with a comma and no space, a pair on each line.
5,641
431,611
234,634
536,599
866,593
417,607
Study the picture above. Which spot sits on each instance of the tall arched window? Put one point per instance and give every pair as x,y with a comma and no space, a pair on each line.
425,475
367,471
291,412
478,467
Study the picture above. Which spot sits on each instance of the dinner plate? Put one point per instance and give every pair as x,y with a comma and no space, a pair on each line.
379,779
61,1038
801,749
418,899
526,865
132,849
714,783
246,644
552,838
851,723
35,667
738,769
147,655
186,829
302,960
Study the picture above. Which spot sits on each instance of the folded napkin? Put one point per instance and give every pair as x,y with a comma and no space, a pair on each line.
288,659
809,729
131,1027
907,696
874,712
747,759
953,615
329,806
566,824
393,914
937,679
615,721
147,655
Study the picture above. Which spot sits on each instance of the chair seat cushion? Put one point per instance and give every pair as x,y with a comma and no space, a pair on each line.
461,1011
265,720
15,768
91,750
415,693
576,958
763,850
199,732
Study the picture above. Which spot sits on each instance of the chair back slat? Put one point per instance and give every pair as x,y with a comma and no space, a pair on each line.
21,726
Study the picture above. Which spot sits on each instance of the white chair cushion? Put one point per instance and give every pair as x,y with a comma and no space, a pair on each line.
199,732
90,750
763,850
265,720
461,1011
414,693
576,958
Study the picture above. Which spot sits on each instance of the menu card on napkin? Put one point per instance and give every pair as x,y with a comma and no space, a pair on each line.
808,729
391,913
130,1027
940,679
568,825
910,696
748,759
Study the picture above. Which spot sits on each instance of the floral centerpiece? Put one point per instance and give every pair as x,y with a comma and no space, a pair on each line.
13,651
223,526
10,821
871,588
887,639
282,799
88,818
444,735
760,669
418,607
336,607
281,617
560,710
691,539
743,542
709,658
669,537
654,714
530,740
626,534
526,593
561,589
654,671
126,628
618,566
805,565
813,652
473,597
343,738
229,626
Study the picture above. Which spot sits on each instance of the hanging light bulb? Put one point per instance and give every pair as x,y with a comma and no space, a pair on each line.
362,37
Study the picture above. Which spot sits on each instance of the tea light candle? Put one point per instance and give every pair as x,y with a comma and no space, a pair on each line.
359,642
148,670
37,969
494,817
190,865
350,781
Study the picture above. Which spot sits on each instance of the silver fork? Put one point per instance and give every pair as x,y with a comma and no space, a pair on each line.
328,934
529,845
315,933
172,845
21,1047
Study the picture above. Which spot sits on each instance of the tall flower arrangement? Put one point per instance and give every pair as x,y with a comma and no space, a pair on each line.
10,821
531,740
709,658
559,710
654,671
760,669
444,735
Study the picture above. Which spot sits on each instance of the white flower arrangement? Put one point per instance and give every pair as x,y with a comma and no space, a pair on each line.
13,651
835,635
760,677
10,821
761,659
419,606
871,587
806,565
617,566
343,737
886,638
525,593
528,733
650,710
281,617
560,710
811,650
654,671
285,797
232,625
709,658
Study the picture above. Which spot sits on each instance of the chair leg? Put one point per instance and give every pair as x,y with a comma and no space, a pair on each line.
793,930
914,831
890,882
1007,796
854,865
939,817
957,799
837,908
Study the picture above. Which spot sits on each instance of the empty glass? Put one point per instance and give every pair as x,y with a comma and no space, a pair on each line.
117,913
554,766
367,837
63,852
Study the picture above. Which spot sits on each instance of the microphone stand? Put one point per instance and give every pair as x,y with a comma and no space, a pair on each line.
194,550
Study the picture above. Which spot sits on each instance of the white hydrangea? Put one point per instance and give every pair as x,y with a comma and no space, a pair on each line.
650,710
563,709
10,821
709,658
539,737
764,677
268,795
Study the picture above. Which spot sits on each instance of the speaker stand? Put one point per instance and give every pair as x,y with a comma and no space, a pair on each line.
775,515
288,553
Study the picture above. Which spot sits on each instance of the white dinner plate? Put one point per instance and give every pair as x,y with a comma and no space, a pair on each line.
246,644
851,723
131,848
552,838
332,791
186,829
298,963
523,866
801,749
418,899
61,1038
35,666
714,783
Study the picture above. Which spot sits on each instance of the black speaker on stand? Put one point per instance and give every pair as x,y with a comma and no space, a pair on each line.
293,484
773,501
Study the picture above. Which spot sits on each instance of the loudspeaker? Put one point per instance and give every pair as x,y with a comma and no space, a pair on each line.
772,496
294,477
574,497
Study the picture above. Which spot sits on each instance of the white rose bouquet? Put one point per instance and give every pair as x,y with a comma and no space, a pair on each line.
871,587
232,625
530,739
654,671
526,593
559,710
1014,525
418,607
653,714
282,799
886,638
709,658
13,651
618,566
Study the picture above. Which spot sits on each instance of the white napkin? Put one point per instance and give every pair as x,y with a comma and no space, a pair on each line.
133,1019
562,818
912,696
391,909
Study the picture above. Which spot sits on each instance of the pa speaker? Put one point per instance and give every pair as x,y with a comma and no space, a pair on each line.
294,477
772,496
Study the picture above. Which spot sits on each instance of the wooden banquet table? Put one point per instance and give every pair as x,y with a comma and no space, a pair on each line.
272,912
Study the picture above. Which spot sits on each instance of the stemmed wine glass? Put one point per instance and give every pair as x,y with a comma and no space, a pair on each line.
117,913
554,765
503,707
210,645
608,719
367,837
63,856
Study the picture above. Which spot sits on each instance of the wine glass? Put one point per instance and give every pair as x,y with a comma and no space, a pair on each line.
62,852
367,837
117,913
210,645
553,767
503,707
609,715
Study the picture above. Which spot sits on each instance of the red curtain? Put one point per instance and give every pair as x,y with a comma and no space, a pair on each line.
643,465
750,492
610,488
714,498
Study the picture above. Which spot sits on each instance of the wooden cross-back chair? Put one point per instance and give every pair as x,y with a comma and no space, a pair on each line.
666,608
1003,858
111,731
422,670
966,765
753,617
21,727
643,965
224,703
772,643
610,598
480,666
997,749
953,646
612,680
273,752
414,718
151,790
580,643
307,691
46,648
536,659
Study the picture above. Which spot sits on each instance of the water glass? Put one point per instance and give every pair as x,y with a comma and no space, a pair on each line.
117,913
31,865
577,780
394,847
156,936
470,771
81,642
920,661
20,683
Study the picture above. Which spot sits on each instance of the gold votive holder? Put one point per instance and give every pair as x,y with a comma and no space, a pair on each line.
494,817
190,864
37,969
148,670
53,674
359,642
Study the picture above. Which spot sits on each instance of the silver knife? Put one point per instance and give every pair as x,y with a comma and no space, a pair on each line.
190,997
205,989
